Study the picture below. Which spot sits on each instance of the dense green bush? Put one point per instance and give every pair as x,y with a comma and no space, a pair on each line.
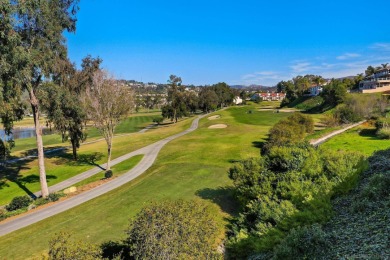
61,246
174,230
289,131
302,243
158,120
108,174
383,133
378,187
346,115
19,203
288,187
55,196
3,213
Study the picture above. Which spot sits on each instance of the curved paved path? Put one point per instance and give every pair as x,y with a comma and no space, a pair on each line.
150,153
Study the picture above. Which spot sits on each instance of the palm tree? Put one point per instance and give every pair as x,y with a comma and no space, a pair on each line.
384,65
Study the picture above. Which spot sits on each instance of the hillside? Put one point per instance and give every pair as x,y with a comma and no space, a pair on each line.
360,227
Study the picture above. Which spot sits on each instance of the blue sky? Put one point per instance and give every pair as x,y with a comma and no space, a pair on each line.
238,42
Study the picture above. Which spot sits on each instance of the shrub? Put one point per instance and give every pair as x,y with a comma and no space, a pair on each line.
54,196
3,213
378,187
302,243
347,115
174,230
41,201
289,131
158,120
304,120
383,133
62,247
19,203
108,174
330,120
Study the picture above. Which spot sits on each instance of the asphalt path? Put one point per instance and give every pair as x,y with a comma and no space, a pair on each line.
319,141
150,153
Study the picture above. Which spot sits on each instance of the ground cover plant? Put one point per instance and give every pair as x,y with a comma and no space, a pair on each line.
290,186
186,168
358,228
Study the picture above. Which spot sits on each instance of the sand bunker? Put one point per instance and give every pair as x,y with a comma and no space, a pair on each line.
214,117
217,126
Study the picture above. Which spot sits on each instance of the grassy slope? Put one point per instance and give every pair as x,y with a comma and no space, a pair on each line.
193,166
19,179
360,139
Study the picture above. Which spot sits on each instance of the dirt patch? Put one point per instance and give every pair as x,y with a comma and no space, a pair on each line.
214,117
217,126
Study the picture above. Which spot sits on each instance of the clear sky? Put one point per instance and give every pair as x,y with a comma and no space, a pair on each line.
238,42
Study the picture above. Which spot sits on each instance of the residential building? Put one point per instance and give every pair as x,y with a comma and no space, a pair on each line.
268,96
377,82
237,100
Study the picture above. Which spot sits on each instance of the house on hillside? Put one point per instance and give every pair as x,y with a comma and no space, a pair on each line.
377,82
268,96
237,100
315,90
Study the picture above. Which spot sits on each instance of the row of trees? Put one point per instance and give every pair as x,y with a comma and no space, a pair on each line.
34,61
181,101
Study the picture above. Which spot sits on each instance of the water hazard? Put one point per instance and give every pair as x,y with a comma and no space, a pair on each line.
23,132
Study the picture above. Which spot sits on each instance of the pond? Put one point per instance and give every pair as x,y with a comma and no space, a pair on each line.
24,132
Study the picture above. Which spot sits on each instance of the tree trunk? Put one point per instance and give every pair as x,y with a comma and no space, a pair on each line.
38,132
74,148
109,149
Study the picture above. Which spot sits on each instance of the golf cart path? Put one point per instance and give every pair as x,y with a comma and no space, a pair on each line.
150,153
319,141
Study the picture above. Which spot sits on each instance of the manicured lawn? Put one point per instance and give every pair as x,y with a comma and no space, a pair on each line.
22,178
132,124
117,170
193,166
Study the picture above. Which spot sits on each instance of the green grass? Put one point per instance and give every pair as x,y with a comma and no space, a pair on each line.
131,124
117,170
361,139
193,166
22,178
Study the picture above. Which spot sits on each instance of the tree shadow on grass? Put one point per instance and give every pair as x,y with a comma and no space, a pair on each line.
11,173
223,197
64,158
368,133
258,144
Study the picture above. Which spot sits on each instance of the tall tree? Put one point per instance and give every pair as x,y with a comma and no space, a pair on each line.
208,99
370,71
224,93
107,103
176,106
32,45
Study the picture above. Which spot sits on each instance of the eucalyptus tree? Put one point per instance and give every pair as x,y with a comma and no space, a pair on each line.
224,93
176,106
107,103
62,101
32,40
